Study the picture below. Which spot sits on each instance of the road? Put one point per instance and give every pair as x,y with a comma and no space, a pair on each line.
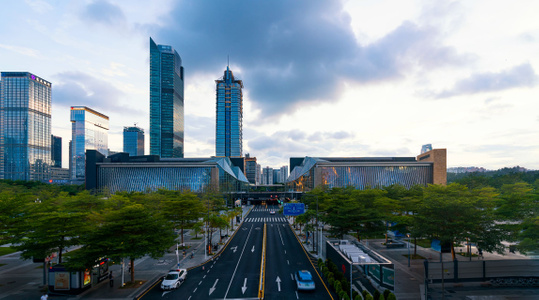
235,273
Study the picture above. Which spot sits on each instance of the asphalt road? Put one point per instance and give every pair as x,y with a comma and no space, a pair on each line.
235,273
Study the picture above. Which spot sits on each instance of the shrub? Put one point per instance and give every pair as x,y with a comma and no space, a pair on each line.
345,285
331,281
341,294
358,297
364,293
338,287
369,297
391,296
320,262
331,275
354,294
345,296
325,270
376,295
386,293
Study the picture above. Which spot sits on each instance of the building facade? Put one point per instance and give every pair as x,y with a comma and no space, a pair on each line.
120,172
250,168
134,141
56,151
25,127
89,130
229,116
267,176
166,102
363,172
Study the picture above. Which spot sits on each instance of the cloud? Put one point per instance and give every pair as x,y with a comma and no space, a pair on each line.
103,12
518,76
22,50
77,88
295,53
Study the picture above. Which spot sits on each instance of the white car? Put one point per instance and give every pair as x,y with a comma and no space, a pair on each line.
304,281
173,279
272,212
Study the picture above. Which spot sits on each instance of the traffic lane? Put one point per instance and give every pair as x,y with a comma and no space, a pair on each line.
284,257
279,283
214,274
246,277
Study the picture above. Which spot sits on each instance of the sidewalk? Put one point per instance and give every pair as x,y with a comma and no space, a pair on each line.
148,271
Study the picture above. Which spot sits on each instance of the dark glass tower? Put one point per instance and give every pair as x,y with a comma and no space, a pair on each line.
25,127
166,101
56,151
134,141
229,116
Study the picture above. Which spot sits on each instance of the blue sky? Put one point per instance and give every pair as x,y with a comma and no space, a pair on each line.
322,78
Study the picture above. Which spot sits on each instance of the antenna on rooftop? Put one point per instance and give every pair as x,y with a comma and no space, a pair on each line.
228,60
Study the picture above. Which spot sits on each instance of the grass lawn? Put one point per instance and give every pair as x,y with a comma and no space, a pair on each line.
412,256
6,250
425,243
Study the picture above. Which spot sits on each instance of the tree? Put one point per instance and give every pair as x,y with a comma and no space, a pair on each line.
183,209
131,231
453,213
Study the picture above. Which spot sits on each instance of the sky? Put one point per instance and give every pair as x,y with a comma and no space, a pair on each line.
322,78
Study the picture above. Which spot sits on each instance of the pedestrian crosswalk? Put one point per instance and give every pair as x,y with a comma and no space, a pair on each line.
265,209
266,220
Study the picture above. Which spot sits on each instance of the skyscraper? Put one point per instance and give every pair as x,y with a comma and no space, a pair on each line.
25,126
134,141
56,151
89,130
229,116
166,101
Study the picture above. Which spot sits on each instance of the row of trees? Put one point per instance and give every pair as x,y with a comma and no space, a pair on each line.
45,220
452,214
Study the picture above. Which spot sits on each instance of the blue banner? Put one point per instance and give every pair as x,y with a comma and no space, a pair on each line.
293,209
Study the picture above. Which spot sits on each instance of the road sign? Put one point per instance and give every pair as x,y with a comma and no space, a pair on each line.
293,209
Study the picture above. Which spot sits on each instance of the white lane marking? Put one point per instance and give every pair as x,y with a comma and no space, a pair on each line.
204,277
253,250
281,236
239,260
195,290
213,287
297,295
291,276
278,280
244,287
200,282
288,262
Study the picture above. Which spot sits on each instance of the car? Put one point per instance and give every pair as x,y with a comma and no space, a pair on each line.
304,281
173,279
272,212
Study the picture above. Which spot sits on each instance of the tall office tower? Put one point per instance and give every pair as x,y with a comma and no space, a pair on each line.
250,168
56,151
229,116
25,126
89,130
134,141
166,101
267,176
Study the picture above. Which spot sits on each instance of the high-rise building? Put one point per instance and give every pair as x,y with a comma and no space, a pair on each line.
250,168
89,130
426,148
56,151
166,102
267,176
134,141
229,116
25,126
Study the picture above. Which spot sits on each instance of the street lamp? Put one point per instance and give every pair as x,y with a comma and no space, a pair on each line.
408,235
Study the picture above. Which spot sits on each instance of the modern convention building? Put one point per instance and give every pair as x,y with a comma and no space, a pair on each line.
121,172
363,172
25,126
166,101
229,116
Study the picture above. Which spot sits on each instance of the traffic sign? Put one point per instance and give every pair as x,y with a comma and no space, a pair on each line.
293,209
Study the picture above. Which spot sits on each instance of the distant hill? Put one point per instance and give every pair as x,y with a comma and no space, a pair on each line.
478,176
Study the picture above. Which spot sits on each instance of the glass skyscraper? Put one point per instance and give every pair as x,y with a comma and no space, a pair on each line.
56,151
89,130
134,141
25,127
229,116
166,102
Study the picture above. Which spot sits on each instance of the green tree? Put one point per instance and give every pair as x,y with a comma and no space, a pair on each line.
453,213
132,231
183,209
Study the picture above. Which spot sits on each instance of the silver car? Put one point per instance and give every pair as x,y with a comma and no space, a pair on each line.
173,279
